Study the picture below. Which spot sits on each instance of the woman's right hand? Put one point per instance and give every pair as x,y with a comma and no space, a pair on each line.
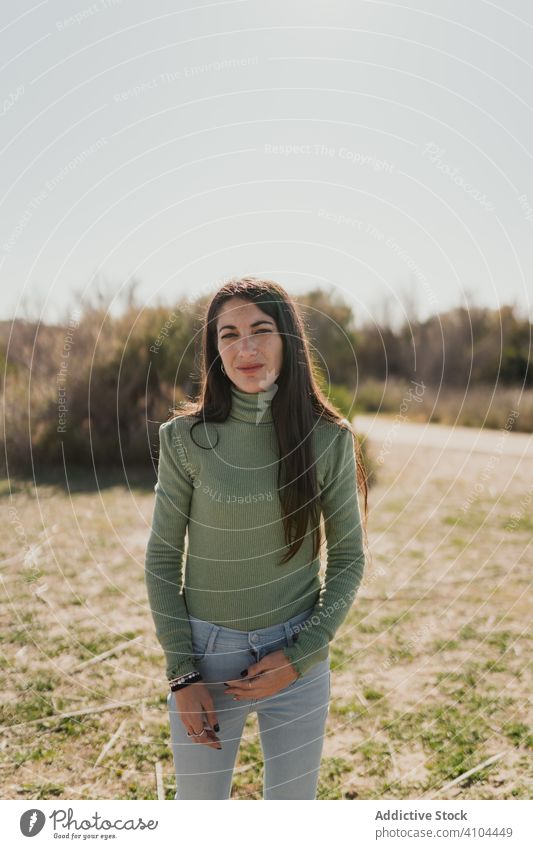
196,709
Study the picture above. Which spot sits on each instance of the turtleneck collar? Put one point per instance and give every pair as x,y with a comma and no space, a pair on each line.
252,407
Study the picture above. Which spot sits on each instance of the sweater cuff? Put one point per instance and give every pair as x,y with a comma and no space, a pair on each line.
182,667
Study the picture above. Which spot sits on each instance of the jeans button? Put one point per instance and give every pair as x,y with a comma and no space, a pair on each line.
254,638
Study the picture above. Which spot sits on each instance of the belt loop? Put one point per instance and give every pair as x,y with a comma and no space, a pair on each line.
212,637
288,631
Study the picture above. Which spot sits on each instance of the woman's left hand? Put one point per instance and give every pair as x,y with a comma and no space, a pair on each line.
272,673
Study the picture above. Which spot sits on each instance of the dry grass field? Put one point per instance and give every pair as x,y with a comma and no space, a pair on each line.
430,676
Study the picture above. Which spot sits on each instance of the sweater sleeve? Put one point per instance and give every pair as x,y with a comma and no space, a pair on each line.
345,557
165,555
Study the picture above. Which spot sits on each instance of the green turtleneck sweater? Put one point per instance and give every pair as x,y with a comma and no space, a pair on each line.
223,498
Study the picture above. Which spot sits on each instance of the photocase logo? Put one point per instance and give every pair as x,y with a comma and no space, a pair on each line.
32,822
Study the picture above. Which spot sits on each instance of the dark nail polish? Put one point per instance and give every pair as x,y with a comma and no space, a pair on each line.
217,727
226,685
244,673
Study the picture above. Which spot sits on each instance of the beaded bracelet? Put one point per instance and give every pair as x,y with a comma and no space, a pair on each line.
184,680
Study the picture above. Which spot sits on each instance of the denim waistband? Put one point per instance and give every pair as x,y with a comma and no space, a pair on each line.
258,637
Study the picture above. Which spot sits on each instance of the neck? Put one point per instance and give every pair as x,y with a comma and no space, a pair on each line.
254,407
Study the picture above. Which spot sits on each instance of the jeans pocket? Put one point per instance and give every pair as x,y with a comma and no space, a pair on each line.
202,639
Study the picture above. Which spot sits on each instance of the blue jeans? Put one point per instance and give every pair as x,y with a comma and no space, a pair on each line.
291,721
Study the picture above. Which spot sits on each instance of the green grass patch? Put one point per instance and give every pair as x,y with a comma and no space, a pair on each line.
42,790
376,757
95,644
139,754
25,709
444,645
468,632
501,639
75,726
519,733
332,771
338,658
352,709
523,523
42,683
470,519
389,621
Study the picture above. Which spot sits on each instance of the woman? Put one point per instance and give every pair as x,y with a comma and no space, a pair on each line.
247,470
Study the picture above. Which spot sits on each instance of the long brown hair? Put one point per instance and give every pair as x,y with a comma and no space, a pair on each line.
296,405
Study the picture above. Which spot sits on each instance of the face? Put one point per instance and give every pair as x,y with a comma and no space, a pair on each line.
247,336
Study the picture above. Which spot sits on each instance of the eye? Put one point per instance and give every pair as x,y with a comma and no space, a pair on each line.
229,335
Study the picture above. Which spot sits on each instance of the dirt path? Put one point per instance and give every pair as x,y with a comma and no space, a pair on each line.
385,429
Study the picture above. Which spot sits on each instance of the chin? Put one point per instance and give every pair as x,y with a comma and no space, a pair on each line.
248,386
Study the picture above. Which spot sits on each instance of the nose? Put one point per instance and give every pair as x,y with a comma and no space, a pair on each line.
247,343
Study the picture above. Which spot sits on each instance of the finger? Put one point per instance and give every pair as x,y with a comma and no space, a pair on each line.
256,694
243,682
245,685
212,718
253,692
208,713
238,688
253,671
194,733
263,686
193,716
210,739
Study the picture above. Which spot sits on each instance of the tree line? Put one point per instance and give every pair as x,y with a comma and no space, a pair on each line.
116,376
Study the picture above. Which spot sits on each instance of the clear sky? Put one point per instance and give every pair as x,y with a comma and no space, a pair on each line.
379,149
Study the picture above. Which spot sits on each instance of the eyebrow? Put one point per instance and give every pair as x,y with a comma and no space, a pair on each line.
254,324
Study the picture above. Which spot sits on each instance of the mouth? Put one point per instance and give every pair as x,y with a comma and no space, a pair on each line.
250,369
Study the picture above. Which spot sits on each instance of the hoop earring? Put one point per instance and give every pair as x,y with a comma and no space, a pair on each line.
222,368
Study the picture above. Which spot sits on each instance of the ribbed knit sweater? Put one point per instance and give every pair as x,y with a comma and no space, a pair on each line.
219,505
